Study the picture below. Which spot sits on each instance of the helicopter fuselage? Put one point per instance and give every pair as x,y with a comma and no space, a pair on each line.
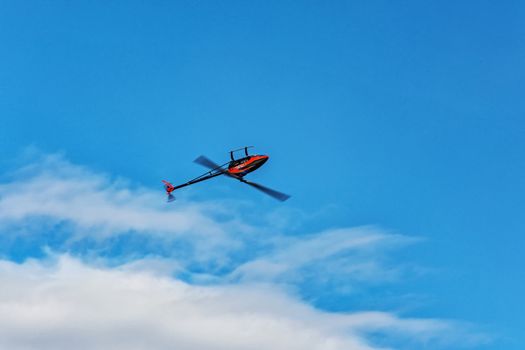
243,166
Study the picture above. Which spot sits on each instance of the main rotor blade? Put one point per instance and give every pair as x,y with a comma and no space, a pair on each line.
272,193
202,160
210,164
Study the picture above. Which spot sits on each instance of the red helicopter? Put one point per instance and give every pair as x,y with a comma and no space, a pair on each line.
235,169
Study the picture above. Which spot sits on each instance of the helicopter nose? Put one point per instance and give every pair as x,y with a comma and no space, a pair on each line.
261,159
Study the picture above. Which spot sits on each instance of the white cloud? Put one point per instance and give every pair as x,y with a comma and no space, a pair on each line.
240,304
68,304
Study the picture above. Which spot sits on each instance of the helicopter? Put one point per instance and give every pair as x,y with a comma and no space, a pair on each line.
235,169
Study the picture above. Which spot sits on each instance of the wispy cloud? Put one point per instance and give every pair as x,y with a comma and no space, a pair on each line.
352,251
93,206
57,189
55,193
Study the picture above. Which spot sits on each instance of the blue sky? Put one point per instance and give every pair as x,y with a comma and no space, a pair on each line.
402,122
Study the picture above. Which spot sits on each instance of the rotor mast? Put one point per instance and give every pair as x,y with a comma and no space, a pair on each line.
245,151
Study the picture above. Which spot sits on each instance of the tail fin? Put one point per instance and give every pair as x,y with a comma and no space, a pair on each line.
169,188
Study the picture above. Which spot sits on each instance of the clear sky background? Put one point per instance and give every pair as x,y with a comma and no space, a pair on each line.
408,117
